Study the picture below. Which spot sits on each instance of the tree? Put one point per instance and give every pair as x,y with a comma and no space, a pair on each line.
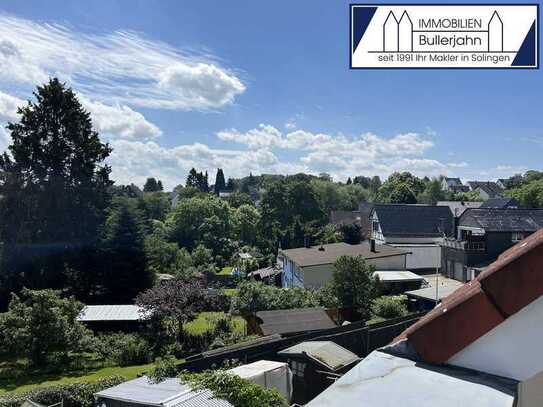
202,219
352,233
169,306
155,205
159,185
54,187
197,180
400,188
432,193
126,269
354,284
530,194
232,388
349,181
246,219
40,324
151,185
390,306
220,183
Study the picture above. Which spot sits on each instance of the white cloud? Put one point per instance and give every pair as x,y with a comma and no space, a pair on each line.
121,67
9,105
120,121
134,161
5,139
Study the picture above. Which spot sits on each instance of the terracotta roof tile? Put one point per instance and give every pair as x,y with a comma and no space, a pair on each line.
513,281
516,278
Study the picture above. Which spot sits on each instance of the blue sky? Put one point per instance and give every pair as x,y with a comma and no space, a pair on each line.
263,88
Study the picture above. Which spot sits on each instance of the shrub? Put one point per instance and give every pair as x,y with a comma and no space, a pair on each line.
72,395
390,307
123,349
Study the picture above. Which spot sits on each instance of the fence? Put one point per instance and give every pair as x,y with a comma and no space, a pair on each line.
356,337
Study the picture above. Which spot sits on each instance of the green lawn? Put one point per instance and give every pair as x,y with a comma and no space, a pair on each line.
33,380
205,321
225,271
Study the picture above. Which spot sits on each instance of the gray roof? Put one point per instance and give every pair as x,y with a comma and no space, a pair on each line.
326,353
168,393
500,203
414,220
96,313
490,187
313,256
294,320
503,220
394,276
458,207
384,380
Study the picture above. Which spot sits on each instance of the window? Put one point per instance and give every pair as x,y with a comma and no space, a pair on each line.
517,237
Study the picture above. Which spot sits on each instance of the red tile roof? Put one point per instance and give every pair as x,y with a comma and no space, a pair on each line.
513,281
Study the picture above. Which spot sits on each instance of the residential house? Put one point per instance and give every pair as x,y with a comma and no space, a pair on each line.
482,235
501,203
289,322
453,185
486,189
315,365
480,347
312,266
113,317
418,229
361,217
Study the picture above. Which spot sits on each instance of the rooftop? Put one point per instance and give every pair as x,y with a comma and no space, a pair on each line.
429,293
314,256
490,187
168,393
414,220
394,276
294,320
96,313
505,287
500,203
458,207
385,380
503,220
327,353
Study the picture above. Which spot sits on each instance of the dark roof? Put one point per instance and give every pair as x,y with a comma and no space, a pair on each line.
455,181
414,220
458,207
294,320
500,203
491,188
509,284
503,220
313,256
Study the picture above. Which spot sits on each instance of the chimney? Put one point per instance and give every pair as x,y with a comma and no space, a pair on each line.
307,241
372,245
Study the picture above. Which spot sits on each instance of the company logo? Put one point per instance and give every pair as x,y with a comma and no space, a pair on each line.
444,36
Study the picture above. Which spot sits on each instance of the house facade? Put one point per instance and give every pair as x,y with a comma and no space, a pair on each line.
453,185
418,229
486,189
482,235
312,267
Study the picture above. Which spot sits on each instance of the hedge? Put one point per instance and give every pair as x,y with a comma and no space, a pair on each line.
79,394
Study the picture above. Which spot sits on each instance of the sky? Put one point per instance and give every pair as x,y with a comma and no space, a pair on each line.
261,87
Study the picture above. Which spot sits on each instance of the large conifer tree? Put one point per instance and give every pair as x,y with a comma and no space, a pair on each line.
54,188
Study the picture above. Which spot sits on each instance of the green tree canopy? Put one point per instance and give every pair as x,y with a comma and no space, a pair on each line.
54,187
354,285
39,325
220,183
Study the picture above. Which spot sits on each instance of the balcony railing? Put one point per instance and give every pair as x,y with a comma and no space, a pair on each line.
465,245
